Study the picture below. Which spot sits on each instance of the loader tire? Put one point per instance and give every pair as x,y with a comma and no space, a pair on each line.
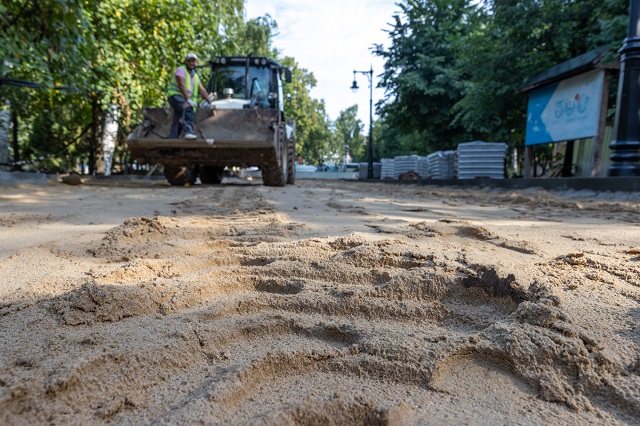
211,174
181,175
291,164
275,173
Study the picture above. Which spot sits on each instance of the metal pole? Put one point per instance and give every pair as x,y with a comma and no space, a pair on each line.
354,87
625,156
370,166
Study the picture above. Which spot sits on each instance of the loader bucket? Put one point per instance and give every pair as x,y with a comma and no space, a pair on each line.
226,137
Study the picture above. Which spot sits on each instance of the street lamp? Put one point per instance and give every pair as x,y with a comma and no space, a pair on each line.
354,88
625,157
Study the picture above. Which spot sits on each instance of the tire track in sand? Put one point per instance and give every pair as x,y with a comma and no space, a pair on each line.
197,316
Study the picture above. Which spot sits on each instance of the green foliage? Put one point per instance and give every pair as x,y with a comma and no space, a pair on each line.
314,141
118,51
453,69
252,38
54,131
419,73
139,43
348,133
518,40
451,72
123,52
37,36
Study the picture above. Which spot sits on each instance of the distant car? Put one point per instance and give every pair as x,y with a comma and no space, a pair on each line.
305,168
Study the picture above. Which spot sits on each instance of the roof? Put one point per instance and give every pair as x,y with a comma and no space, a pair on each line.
255,60
578,65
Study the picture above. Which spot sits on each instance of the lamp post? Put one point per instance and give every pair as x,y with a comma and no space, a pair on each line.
625,157
354,88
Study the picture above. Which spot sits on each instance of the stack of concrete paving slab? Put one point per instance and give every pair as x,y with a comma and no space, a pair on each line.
440,165
387,168
404,164
364,170
481,160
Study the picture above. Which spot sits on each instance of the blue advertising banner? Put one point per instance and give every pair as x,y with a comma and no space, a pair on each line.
565,111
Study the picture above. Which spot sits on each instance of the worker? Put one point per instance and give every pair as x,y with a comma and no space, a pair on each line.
183,90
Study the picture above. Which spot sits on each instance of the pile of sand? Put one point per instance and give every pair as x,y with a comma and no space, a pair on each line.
319,303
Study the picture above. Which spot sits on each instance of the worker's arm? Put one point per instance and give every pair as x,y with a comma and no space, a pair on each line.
204,93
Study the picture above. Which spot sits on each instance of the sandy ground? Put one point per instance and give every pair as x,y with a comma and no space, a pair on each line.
317,304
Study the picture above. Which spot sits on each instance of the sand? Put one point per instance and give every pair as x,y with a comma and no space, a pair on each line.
323,303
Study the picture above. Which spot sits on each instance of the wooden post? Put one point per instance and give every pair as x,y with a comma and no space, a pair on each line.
528,162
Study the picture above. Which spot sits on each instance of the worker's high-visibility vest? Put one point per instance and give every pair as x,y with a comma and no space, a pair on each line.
174,89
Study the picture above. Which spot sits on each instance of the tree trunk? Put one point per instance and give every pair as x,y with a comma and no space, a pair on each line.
16,146
93,141
109,137
5,119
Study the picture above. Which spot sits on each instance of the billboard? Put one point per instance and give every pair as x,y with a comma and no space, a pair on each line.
566,110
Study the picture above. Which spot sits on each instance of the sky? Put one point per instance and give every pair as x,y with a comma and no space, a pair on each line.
331,39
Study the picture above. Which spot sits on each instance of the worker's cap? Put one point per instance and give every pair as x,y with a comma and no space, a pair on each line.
191,56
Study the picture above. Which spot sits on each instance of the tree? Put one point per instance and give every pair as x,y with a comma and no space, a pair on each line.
510,41
454,67
348,133
122,52
111,51
252,38
313,137
419,73
43,42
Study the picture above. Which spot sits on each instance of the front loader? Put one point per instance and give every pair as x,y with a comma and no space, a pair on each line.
245,127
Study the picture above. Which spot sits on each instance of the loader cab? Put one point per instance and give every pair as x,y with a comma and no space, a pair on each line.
247,82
